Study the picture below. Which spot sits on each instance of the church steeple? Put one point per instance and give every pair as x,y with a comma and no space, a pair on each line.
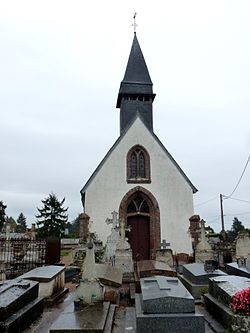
136,90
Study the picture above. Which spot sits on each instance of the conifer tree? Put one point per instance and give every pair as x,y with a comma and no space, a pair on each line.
21,223
2,214
237,226
52,217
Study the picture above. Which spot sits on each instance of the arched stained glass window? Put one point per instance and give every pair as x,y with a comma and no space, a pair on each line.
138,165
133,165
138,205
141,165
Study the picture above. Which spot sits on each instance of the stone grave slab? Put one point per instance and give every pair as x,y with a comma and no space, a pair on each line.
234,269
147,268
88,319
19,304
224,287
195,278
44,273
109,275
167,322
162,294
14,294
51,281
217,301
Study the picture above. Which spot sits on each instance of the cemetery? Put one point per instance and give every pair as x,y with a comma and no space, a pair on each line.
158,295
153,268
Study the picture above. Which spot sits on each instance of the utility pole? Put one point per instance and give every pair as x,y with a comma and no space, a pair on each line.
221,213
222,217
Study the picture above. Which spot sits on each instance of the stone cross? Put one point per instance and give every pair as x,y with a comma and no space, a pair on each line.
88,269
123,229
164,244
114,221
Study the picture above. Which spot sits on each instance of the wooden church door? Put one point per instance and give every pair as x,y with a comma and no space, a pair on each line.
138,218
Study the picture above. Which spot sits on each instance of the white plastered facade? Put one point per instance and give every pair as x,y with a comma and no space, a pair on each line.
174,194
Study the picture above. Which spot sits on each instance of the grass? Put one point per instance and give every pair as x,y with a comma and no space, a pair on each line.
64,253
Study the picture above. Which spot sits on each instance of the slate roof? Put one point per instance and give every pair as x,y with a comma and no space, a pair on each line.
136,79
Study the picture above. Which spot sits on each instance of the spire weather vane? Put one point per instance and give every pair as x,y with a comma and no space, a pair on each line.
134,24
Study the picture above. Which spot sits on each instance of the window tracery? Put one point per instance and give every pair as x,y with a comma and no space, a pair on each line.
138,165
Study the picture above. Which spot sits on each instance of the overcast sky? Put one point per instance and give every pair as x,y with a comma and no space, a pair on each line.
61,64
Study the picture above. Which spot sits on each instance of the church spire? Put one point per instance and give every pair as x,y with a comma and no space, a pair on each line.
136,90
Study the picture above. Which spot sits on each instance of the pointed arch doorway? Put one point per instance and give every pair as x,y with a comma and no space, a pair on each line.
141,213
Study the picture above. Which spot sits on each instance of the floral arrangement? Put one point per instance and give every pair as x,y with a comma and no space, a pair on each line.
240,302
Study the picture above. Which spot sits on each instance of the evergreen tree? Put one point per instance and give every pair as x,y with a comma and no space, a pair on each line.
237,226
21,223
51,218
74,227
2,214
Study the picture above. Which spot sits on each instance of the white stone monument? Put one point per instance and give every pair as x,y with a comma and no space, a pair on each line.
7,231
90,289
243,247
123,253
113,238
203,249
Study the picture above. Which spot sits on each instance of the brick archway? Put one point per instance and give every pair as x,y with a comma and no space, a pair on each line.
154,215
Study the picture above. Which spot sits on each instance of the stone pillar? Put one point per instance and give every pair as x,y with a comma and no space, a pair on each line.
7,231
194,229
84,226
33,231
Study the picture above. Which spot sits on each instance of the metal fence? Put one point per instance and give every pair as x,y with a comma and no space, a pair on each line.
19,255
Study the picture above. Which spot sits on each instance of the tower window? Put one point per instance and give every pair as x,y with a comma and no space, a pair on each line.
138,165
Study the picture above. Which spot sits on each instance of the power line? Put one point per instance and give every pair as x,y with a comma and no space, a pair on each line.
238,183
226,197
237,214
203,203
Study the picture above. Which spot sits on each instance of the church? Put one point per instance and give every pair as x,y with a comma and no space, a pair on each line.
138,177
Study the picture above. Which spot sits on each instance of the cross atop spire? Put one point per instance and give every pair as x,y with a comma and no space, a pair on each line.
134,24
136,90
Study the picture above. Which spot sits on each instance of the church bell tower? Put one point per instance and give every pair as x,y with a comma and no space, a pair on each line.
136,91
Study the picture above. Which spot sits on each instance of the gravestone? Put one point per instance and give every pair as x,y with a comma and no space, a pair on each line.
19,304
165,254
243,247
113,238
51,282
90,290
95,318
196,278
111,278
165,305
94,314
147,268
162,294
218,300
123,253
239,269
203,250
